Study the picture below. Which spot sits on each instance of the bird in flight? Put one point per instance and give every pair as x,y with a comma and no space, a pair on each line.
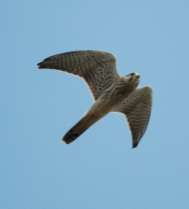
111,92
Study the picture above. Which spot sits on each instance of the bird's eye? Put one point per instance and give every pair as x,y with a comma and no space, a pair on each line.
132,74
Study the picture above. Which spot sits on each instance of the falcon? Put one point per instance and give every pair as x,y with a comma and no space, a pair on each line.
111,92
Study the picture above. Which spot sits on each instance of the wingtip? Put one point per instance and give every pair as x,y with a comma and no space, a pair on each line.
40,65
134,145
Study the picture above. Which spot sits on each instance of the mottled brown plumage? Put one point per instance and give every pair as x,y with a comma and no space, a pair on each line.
111,92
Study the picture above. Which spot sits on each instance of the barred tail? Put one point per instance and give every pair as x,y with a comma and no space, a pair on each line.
79,128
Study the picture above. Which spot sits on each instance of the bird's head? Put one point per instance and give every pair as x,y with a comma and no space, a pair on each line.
133,79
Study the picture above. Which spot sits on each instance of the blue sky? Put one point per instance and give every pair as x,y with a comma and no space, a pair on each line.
99,170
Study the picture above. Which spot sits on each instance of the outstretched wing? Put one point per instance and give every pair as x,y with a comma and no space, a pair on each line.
137,108
96,67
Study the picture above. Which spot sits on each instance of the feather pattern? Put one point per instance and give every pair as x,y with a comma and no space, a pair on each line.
137,108
112,92
97,68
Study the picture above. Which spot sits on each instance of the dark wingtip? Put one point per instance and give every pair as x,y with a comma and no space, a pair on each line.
134,145
40,65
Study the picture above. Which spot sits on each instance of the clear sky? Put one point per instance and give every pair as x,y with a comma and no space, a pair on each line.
99,170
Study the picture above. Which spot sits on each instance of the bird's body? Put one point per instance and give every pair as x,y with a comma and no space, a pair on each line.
111,92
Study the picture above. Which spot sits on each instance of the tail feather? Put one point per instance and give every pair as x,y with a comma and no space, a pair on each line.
79,128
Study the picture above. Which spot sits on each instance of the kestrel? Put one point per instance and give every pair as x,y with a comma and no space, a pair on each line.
111,92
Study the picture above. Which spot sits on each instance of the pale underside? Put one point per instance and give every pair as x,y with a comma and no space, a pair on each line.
98,69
